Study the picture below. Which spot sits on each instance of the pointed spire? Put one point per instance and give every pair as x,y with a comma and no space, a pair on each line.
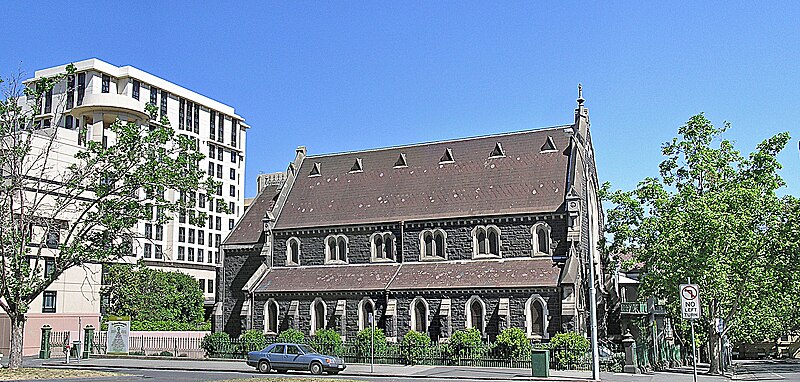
580,94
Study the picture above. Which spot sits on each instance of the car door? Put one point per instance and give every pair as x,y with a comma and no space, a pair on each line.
294,358
276,356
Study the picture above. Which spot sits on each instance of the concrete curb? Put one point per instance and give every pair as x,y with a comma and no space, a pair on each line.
356,374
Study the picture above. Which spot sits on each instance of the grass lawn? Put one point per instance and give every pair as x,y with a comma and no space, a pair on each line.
52,373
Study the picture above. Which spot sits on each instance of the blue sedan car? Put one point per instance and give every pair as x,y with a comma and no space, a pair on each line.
286,356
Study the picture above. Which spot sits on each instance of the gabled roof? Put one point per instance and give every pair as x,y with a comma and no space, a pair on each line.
525,180
251,226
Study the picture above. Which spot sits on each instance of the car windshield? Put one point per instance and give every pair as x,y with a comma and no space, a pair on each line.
307,349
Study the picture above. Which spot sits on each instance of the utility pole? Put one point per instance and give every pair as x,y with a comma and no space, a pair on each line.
593,309
694,351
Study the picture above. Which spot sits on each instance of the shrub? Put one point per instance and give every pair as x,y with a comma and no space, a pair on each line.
165,354
215,343
169,326
568,349
252,340
292,335
414,346
327,341
512,343
466,344
363,339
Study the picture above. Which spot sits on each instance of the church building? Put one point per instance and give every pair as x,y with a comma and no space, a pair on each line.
486,232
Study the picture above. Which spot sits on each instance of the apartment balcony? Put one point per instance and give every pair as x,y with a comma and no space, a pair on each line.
634,308
110,103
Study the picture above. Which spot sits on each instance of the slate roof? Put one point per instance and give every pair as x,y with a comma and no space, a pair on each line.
251,226
478,274
526,180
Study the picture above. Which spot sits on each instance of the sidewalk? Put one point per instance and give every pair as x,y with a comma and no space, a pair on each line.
238,366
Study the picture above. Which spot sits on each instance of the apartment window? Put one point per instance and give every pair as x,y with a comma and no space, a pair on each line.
218,239
196,119
201,201
201,237
210,169
164,96
159,232
220,154
213,130
202,285
181,113
230,207
181,234
68,121
159,251
336,249
210,239
70,92
148,231
181,217
106,83
49,266
219,171
383,246
53,237
199,255
230,224
221,127
148,250
211,151
49,302
233,174
153,95
293,251
181,253
486,241
234,130
190,256
210,284
219,187
433,244
191,235
210,258
216,257
48,101
233,156
136,87
189,108
232,190
81,87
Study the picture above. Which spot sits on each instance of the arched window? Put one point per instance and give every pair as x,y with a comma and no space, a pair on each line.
318,315
541,238
419,315
486,241
382,246
475,313
336,249
365,308
432,244
271,317
536,317
293,251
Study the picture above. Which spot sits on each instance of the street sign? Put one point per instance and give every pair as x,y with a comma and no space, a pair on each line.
690,301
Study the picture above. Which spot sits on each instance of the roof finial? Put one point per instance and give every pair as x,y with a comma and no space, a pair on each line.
580,94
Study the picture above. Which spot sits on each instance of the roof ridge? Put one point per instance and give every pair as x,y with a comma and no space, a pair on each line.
538,129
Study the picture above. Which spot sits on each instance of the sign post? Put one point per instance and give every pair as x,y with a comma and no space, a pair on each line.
372,343
690,310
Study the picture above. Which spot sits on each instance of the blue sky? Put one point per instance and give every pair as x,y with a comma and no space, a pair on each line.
341,76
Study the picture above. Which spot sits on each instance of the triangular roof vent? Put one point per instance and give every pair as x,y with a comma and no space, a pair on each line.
447,157
498,151
401,161
314,170
356,166
548,145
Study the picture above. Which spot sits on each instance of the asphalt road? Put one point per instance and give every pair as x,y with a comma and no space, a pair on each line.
768,370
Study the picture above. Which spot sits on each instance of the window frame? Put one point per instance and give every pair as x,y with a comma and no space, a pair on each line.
337,257
487,230
541,226
312,311
379,254
363,320
289,258
268,317
536,299
468,314
412,310
423,255
49,295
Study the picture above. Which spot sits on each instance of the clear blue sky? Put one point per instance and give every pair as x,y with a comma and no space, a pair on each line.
340,76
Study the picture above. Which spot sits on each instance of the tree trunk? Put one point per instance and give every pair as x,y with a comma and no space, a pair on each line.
713,354
17,333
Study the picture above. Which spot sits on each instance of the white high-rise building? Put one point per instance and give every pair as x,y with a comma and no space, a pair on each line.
95,97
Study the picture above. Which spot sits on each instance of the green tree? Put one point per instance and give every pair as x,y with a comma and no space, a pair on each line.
512,343
90,208
149,295
714,215
414,346
292,336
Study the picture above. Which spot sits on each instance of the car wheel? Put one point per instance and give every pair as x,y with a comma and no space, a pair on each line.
316,368
263,367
